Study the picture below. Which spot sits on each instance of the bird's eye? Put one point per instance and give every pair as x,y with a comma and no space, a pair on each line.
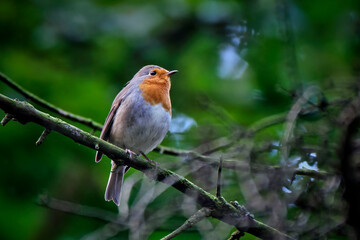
153,73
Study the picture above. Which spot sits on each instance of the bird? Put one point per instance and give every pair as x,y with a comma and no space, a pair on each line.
138,121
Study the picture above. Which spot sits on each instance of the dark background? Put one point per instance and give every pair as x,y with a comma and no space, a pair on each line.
239,62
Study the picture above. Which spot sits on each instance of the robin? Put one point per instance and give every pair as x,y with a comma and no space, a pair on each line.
138,120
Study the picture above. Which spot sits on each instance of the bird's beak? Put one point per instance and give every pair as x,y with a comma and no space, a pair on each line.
171,72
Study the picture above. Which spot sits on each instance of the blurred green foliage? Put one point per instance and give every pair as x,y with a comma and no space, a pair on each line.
238,62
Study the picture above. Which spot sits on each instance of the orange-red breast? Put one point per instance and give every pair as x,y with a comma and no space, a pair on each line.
138,120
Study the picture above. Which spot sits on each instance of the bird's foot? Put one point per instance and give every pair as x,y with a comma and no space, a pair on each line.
149,160
131,153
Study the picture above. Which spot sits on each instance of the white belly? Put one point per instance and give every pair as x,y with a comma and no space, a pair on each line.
140,129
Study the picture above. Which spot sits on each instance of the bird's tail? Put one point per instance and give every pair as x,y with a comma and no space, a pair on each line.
113,188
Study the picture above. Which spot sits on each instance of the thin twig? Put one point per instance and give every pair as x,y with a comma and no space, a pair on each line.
42,137
78,209
41,102
198,216
291,120
281,117
238,164
218,144
236,235
6,119
108,231
218,188
187,154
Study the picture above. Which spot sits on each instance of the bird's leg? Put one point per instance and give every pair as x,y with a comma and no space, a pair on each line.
152,174
131,153
150,161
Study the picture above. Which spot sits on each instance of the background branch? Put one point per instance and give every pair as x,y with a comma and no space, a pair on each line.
78,209
198,216
41,102
238,164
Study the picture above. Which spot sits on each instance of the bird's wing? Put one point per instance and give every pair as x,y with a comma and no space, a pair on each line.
110,118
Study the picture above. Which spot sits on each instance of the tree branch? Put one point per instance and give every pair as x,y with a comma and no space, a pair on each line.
218,185
281,117
36,99
222,210
77,209
197,217
348,152
238,165
42,137
6,119
236,235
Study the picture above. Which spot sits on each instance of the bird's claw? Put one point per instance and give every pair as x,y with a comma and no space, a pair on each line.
149,160
131,153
